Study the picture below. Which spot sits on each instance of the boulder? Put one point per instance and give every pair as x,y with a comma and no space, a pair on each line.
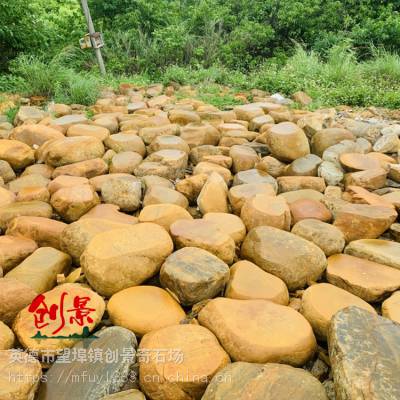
291,183
120,258
213,196
228,223
354,162
304,166
327,237
76,236
291,258
35,135
29,208
328,137
307,208
44,231
240,193
17,154
163,214
287,141
391,307
115,348
125,162
262,209
381,251
24,324
14,296
195,357
143,309
249,282
20,375
164,195
40,269
110,212
64,181
13,250
241,380
126,142
122,192
87,168
362,221
266,338
205,235
96,131
7,338
371,179
322,301
363,350
366,279
193,274
73,202
57,153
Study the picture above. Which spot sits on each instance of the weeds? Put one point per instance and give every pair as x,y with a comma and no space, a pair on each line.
338,78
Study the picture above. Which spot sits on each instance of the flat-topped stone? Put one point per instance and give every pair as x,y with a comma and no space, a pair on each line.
247,281
264,382
293,259
363,349
143,309
381,251
322,301
366,279
266,338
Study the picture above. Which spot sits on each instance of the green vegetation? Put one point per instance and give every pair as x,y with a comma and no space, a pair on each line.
338,51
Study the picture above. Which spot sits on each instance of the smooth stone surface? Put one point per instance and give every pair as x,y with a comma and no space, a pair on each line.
228,223
164,195
76,236
24,326
205,235
366,279
110,212
213,196
262,209
291,183
293,259
287,141
326,236
17,154
13,250
163,214
249,282
28,208
306,209
7,338
73,202
14,296
322,301
363,350
44,231
267,337
240,193
111,375
381,251
124,193
40,269
391,307
362,221
120,258
202,358
20,375
241,380
193,275
143,309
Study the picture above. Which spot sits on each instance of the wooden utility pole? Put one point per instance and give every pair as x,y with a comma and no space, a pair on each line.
90,26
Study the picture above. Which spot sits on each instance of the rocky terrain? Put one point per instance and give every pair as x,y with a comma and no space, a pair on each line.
245,253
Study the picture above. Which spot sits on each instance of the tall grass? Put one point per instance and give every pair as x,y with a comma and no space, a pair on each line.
337,78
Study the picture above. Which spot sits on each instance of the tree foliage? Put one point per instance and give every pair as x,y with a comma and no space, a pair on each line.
144,35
